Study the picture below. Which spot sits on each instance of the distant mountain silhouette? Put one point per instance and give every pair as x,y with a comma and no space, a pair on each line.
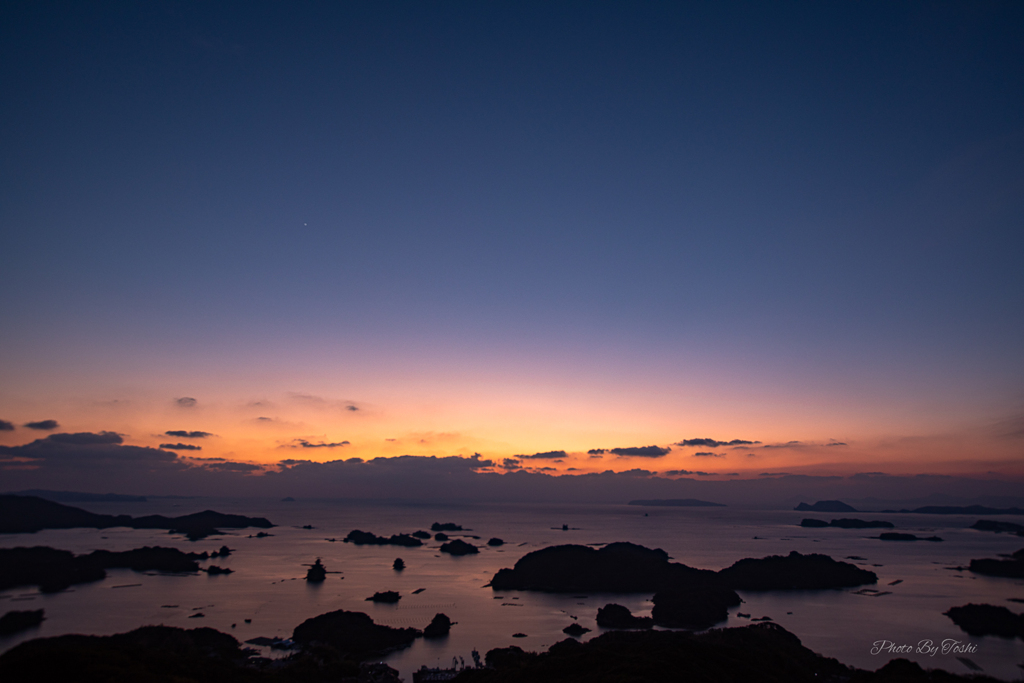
825,506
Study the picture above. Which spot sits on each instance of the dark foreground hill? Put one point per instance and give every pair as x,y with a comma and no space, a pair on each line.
28,514
162,654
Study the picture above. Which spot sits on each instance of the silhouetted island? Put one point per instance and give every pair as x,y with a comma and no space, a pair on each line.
575,630
847,523
987,620
631,568
617,616
825,506
794,572
494,542
366,538
693,607
55,570
894,536
447,526
425,535
677,503
614,568
385,596
16,622
353,634
1012,568
317,572
28,514
459,547
438,627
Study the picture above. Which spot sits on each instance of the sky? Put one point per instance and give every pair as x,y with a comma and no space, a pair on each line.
264,231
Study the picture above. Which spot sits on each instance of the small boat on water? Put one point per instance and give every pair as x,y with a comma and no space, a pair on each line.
317,572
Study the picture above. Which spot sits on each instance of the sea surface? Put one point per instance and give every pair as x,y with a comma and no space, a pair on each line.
268,586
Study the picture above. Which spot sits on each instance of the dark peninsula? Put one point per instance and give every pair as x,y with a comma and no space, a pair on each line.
54,570
987,620
16,622
998,527
1012,568
29,514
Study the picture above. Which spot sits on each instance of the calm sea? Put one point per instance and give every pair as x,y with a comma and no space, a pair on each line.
267,585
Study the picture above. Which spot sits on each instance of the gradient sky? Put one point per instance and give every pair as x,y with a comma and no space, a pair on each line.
510,227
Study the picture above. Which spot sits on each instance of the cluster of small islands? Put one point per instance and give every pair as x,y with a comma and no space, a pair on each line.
342,645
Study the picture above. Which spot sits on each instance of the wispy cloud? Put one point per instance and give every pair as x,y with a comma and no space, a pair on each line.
6,426
186,402
708,454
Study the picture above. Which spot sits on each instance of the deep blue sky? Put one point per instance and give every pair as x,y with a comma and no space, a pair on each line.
793,197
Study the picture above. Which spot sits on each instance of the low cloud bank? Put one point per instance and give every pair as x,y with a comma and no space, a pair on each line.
101,462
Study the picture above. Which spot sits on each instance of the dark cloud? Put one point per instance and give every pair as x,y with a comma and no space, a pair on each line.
264,419
352,408
547,455
6,426
85,450
182,434
180,447
86,438
43,425
302,443
708,454
597,451
510,464
545,469
774,474
596,457
641,451
186,402
573,469
835,443
714,443
788,444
